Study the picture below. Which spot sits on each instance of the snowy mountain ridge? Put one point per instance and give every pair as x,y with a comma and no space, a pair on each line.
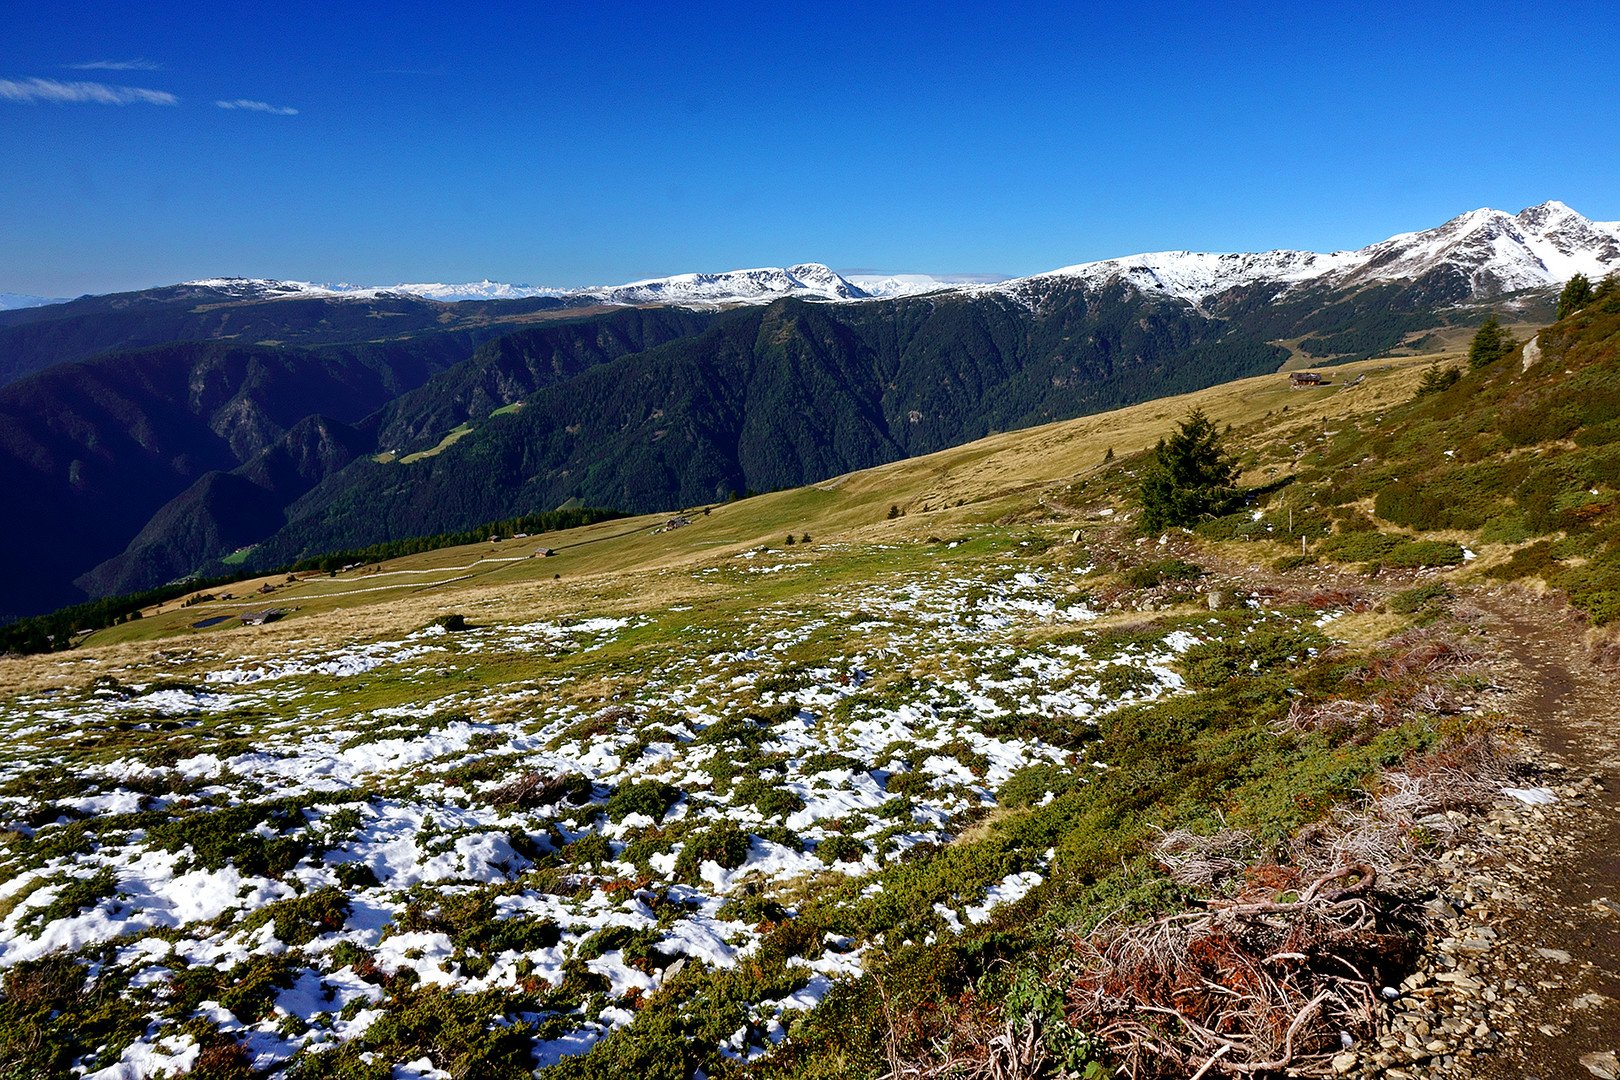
1493,251
1542,246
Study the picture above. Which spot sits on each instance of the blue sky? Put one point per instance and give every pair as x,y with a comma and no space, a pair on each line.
588,144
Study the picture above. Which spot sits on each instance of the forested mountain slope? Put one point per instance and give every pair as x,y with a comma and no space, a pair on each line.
781,396
89,451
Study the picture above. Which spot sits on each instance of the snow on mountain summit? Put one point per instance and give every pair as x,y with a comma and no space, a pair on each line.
1493,251
1488,252
761,285
1499,252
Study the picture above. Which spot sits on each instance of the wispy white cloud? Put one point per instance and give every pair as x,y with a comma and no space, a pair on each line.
257,106
32,91
115,65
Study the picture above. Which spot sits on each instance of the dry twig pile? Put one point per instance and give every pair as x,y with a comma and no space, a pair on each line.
1247,987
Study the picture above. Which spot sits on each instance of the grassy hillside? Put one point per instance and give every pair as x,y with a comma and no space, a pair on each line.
684,795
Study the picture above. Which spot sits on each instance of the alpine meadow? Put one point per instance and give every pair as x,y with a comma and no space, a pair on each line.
1182,665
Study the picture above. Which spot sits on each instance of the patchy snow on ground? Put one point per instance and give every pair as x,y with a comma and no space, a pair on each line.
390,775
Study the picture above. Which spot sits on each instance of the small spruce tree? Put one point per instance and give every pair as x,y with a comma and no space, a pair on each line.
1490,344
1576,295
1437,379
1189,478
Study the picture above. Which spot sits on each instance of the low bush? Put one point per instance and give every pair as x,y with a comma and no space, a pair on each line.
724,843
772,800
452,1030
1414,553
301,919
839,848
74,895
914,784
1157,573
1032,783
1116,680
228,835
650,797
1424,596
590,850
1265,648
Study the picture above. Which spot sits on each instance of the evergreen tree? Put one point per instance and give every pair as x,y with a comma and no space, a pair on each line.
1189,478
1490,345
1436,379
1576,295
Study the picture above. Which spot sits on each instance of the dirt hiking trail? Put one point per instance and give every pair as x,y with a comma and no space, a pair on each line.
1569,1022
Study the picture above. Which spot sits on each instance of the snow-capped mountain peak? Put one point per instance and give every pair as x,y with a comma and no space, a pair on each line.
1493,252
760,285
1480,254
1497,252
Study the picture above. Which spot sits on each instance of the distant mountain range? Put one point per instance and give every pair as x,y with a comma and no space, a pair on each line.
1494,251
147,436
11,301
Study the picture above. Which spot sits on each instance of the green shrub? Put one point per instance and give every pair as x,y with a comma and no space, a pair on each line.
1239,526
74,896
1507,528
452,1030
1030,784
839,848
650,797
1265,648
593,850
733,729
1413,600
1540,559
355,875
252,985
636,943
781,834
644,845
301,919
1406,504
1116,680
752,909
226,836
772,800
1358,546
469,920
1157,573
828,761
1544,421
1413,553
724,843
914,784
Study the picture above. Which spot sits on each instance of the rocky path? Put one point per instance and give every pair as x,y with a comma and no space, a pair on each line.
1521,974
1567,929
